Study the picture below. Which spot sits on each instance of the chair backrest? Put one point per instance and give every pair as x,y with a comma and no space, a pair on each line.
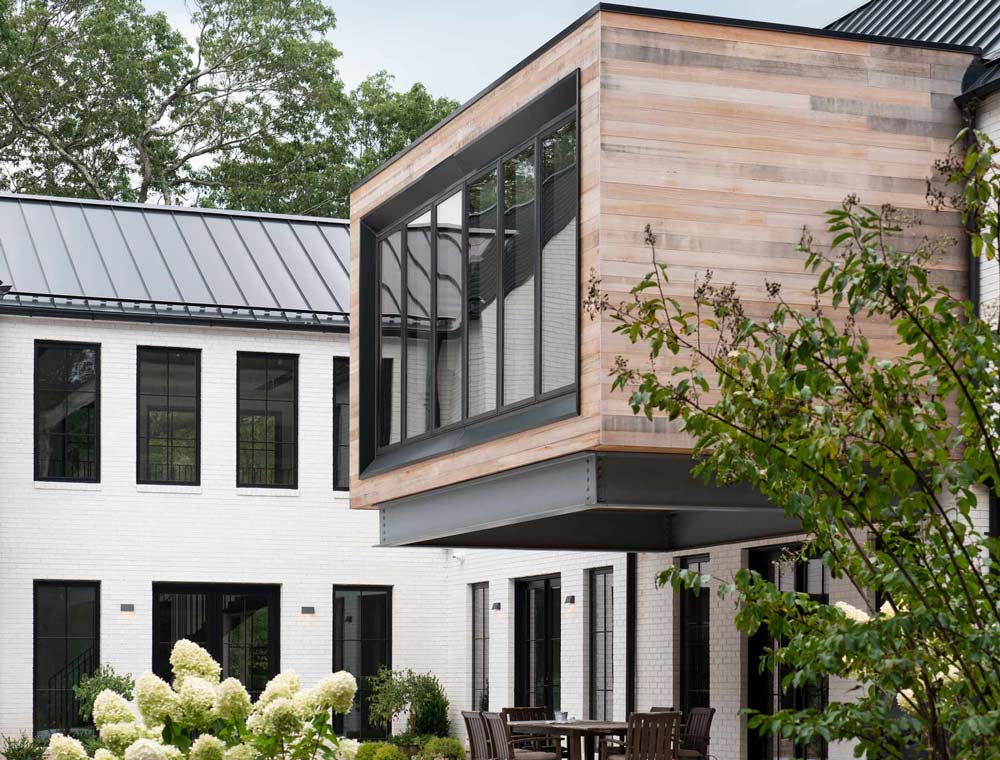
499,732
652,736
525,713
475,727
662,709
698,729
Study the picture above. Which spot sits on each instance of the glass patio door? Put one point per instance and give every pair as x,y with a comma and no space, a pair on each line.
537,646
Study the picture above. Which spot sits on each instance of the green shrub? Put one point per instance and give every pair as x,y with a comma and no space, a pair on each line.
380,751
103,678
430,706
409,740
395,692
89,739
443,747
23,747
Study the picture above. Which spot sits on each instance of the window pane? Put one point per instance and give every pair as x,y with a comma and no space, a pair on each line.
341,417
66,411
267,430
362,621
481,213
167,423
519,255
694,643
602,677
559,234
480,647
390,363
418,325
449,310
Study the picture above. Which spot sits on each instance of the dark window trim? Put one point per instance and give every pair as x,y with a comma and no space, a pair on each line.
369,460
346,360
273,590
197,416
295,417
520,626
97,411
684,687
592,575
484,588
34,633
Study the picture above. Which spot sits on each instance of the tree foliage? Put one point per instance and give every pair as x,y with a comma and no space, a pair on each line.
101,99
883,459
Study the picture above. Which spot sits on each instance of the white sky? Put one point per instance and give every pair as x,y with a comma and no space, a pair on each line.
457,47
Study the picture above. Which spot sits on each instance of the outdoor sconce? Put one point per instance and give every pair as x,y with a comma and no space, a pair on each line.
571,599
495,607
308,610
127,608
349,619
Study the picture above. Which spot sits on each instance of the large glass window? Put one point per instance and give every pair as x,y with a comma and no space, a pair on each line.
167,415
520,252
267,420
602,635
67,625
67,416
538,643
478,295
480,646
362,644
238,625
341,422
694,651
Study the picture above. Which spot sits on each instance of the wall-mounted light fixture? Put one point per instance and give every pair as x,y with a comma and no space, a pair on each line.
571,599
308,610
349,619
495,607
127,608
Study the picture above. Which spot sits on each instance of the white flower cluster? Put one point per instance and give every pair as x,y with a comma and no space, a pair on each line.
347,749
155,699
852,613
111,707
232,702
65,748
336,692
189,659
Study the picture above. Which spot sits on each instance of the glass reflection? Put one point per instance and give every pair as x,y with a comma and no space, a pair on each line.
519,254
481,213
418,325
448,337
390,362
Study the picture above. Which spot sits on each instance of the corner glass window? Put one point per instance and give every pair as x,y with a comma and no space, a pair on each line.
390,369
520,252
167,415
67,416
418,325
481,218
267,420
449,319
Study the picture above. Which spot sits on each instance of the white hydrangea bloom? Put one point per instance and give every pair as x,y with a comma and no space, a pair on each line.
347,749
65,748
306,703
255,721
232,702
155,699
195,702
207,747
852,613
171,752
906,701
242,752
118,736
111,707
280,718
104,754
336,691
189,659
886,610
145,749
282,685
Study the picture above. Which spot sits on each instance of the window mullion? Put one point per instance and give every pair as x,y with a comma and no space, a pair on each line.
433,331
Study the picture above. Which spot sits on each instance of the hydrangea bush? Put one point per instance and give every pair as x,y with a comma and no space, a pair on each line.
199,717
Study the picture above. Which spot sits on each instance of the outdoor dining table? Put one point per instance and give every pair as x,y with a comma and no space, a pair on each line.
581,735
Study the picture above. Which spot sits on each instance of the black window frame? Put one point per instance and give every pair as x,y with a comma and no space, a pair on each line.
551,665
295,420
686,597
341,447
196,481
535,411
480,636
360,587
213,623
96,585
608,631
40,344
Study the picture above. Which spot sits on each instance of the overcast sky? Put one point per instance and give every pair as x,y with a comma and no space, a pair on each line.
457,47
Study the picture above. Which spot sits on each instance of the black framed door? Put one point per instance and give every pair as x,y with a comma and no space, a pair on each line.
362,645
537,652
239,625
764,687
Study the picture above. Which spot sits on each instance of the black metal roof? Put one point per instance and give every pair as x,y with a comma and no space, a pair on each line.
974,23
99,259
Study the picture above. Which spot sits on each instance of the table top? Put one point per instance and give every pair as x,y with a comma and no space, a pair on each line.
561,728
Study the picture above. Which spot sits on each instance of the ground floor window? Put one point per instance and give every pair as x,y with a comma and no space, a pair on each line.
66,648
537,643
362,644
694,649
237,624
602,634
481,646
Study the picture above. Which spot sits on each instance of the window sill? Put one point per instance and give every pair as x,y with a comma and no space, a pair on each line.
66,485
165,488
280,492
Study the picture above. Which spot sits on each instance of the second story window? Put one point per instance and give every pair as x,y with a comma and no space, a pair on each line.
341,422
167,423
67,411
267,420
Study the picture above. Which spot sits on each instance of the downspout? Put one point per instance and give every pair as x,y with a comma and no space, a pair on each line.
631,562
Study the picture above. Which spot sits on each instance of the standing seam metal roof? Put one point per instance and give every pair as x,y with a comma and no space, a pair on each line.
82,257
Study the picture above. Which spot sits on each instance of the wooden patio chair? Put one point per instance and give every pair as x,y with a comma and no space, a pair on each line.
500,738
479,741
650,736
696,734
539,743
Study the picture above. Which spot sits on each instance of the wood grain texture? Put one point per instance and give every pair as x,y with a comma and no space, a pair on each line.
727,141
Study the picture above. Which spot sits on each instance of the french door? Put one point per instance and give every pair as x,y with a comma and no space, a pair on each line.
537,646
